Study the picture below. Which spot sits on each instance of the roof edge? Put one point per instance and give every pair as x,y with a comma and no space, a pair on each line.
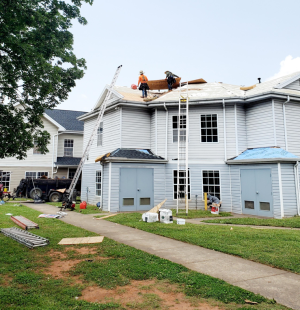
261,160
50,119
132,160
287,82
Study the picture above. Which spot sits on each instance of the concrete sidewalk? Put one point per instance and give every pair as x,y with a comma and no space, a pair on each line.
270,282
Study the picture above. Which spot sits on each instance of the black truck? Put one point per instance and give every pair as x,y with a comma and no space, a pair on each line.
45,189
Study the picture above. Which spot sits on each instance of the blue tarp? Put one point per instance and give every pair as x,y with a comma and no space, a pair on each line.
265,152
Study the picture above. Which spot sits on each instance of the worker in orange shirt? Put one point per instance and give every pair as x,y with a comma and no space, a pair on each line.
142,84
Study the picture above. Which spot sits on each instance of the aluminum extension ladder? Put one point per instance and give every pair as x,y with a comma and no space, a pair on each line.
25,237
94,132
183,151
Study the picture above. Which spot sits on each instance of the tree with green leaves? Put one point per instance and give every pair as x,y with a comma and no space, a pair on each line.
38,68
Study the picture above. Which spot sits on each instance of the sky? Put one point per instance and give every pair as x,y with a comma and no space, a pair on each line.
232,41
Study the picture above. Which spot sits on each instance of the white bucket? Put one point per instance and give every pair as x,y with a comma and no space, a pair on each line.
180,221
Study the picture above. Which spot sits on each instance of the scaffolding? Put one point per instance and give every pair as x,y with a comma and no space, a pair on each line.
182,173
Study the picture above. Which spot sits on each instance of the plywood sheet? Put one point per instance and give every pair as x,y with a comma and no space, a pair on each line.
83,240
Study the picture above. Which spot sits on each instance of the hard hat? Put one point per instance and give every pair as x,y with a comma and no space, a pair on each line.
141,72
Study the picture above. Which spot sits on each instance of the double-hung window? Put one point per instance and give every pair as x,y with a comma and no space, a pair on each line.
179,127
98,183
36,150
100,135
211,182
68,147
35,174
179,192
209,128
5,179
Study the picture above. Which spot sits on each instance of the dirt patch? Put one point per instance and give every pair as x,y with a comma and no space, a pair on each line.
6,280
59,268
146,294
57,254
83,250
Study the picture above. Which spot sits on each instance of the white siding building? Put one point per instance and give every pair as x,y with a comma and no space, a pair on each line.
65,150
243,148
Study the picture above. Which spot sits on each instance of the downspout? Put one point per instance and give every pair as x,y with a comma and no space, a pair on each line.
280,191
53,146
236,132
102,185
296,172
284,122
155,131
224,118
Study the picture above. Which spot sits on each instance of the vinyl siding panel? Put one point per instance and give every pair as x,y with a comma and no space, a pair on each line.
18,173
88,183
77,146
241,128
288,190
294,85
197,149
152,132
259,122
292,112
230,131
197,185
161,133
111,135
279,123
35,160
135,128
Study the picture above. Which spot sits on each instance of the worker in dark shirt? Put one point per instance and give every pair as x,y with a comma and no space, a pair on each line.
170,77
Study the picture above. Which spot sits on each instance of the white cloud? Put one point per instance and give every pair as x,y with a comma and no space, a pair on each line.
287,66
83,96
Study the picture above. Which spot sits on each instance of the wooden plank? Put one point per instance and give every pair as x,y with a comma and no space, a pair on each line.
83,240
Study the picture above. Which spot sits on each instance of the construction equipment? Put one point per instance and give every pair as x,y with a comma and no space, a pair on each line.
25,237
183,152
24,222
67,198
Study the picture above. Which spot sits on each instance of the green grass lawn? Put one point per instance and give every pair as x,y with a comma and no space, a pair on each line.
293,222
192,214
277,248
24,285
90,209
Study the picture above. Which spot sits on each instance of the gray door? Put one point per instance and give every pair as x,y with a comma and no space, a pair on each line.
136,189
256,188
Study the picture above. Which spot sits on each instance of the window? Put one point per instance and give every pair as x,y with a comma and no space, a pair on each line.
182,131
182,184
71,173
98,183
5,179
209,128
211,182
100,134
35,148
68,147
35,175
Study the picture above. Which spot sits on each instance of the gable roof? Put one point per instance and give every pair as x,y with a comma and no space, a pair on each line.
292,79
67,119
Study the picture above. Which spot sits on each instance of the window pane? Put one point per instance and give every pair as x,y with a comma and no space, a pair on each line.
264,206
128,201
145,201
249,205
209,128
98,183
211,182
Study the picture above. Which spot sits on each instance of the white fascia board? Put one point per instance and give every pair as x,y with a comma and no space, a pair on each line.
287,82
50,119
103,94
73,132
262,161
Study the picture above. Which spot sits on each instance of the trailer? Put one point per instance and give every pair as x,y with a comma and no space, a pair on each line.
45,189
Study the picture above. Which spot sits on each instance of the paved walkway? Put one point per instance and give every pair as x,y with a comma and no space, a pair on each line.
270,282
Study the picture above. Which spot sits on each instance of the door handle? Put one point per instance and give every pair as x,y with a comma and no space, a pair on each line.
256,192
138,189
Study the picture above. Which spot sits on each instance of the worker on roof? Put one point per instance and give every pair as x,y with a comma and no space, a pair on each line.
170,77
142,84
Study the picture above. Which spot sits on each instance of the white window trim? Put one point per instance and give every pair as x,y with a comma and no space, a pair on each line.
176,128
36,153
217,129
9,179
219,178
98,183
36,172
69,147
176,184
